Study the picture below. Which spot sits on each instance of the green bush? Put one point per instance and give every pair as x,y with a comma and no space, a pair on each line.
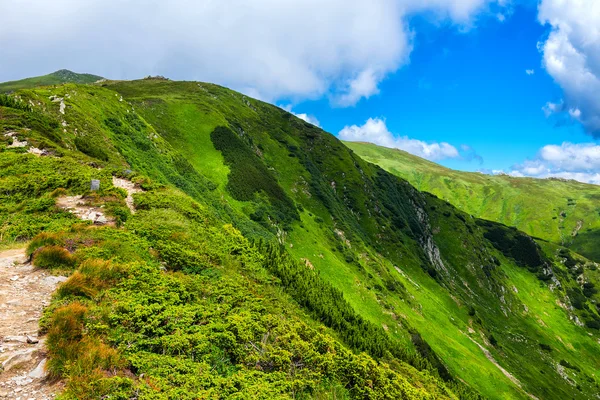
92,147
41,240
249,176
53,257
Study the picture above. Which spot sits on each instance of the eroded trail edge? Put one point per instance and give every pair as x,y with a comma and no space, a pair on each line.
24,292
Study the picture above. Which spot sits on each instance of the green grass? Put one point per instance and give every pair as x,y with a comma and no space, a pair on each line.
550,209
55,78
366,239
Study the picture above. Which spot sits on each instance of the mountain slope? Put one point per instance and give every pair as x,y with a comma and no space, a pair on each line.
239,191
563,212
55,78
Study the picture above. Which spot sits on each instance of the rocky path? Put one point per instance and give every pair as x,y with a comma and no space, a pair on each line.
24,292
130,188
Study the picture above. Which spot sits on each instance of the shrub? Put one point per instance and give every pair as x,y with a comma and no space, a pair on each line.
83,359
545,347
41,240
249,176
93,148
593,323
589,289
105,273
51,257
64,334
567,364
577,298
92,277
77,285
58,193
11,102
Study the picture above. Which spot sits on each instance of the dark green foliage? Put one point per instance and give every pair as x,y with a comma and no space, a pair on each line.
545,347
593,322
88,145
567,364
10,101
427,353
577,298
249,176
31,118
134,138
327,303
589,289
192,336
515,245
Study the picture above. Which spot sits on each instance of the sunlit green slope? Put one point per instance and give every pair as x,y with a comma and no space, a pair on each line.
248,211
560,211
55,78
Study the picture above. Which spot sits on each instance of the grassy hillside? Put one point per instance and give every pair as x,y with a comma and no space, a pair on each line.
267,260
560,211
55,78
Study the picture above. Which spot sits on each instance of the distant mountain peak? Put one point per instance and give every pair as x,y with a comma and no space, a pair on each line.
55,78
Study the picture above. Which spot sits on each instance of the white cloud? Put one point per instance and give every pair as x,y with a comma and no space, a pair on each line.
571,55
501,17
578,161
375,131
364,85
553,108
572,157
311,119
530,71
308,118
273,49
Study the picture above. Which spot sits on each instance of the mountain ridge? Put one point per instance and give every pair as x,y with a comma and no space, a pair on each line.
564,212
55,78
341,241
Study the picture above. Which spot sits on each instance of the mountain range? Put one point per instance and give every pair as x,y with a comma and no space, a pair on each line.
260,257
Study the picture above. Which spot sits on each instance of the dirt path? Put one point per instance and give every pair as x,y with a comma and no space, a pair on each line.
24,292
129,187
77,206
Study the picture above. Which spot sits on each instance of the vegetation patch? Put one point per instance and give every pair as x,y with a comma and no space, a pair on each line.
249,176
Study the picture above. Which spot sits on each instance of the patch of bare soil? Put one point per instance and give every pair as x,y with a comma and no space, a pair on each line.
129,187
77,205
24,292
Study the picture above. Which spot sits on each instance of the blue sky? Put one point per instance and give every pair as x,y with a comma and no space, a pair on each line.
468,87
443,79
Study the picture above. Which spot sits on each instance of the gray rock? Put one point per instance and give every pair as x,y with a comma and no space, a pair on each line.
18,358
19,339
32,340
53,280
39,371
95,185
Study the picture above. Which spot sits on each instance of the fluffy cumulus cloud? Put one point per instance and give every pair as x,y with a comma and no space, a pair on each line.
571,55
272,49
530,71
579,161
375,130
311,119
